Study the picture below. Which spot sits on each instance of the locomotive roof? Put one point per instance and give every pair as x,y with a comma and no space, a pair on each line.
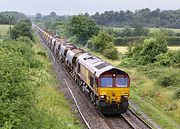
94,64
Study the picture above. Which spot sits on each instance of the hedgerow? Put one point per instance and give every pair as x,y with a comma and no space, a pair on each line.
17,89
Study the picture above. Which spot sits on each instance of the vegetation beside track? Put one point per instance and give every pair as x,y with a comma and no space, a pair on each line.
159,103
29,97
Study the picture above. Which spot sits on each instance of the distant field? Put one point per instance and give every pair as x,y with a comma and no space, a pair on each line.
175,48
124,49
151,29
175,30
3,30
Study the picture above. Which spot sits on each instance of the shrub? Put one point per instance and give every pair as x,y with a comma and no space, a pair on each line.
171,58
42,53
74,39
175,58
169,78
177,94
166,81
147,51
16,90
163,59
25,40
111,53
102,41
18,85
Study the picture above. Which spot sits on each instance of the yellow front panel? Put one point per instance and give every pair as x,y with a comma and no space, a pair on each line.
113,93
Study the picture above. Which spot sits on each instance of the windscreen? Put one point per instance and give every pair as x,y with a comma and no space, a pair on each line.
106,82
122,82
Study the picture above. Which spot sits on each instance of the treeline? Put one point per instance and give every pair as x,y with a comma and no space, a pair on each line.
81,30
11,16
146,17
128,35
84,31
47,20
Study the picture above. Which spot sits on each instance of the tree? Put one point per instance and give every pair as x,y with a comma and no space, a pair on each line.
139,30
5,19
53,14
127,31
148,18
38,16
102,41
22,28
82,27
147,51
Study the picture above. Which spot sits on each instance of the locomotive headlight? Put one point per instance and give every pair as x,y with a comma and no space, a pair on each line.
125,96
102,96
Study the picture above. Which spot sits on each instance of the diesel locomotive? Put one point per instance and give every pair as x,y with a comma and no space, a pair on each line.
107,86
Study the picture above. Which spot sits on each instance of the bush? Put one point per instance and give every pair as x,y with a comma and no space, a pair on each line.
166,81
101,42
42,53
175,58
25,40
17,92
111,53
177,94
74,39
171,58
147,51
169,78
163,59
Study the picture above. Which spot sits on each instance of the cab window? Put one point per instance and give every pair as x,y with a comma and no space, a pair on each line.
106,82
121,82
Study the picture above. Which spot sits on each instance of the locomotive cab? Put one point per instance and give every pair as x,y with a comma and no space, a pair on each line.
113,90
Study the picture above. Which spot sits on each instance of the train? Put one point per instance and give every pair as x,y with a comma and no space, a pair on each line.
107,86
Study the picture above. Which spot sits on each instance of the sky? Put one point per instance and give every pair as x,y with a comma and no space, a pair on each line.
70,7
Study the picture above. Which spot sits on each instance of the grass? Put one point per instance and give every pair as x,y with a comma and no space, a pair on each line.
50,100
157,102
56,106
3,30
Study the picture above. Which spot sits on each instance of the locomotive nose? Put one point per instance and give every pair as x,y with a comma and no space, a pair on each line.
114,95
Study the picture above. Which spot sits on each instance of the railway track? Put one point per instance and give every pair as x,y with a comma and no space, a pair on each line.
135,121
93,118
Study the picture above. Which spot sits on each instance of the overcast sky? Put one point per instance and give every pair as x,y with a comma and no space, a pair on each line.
62,7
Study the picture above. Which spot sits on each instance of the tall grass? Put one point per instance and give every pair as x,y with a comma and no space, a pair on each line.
156,101
50,100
